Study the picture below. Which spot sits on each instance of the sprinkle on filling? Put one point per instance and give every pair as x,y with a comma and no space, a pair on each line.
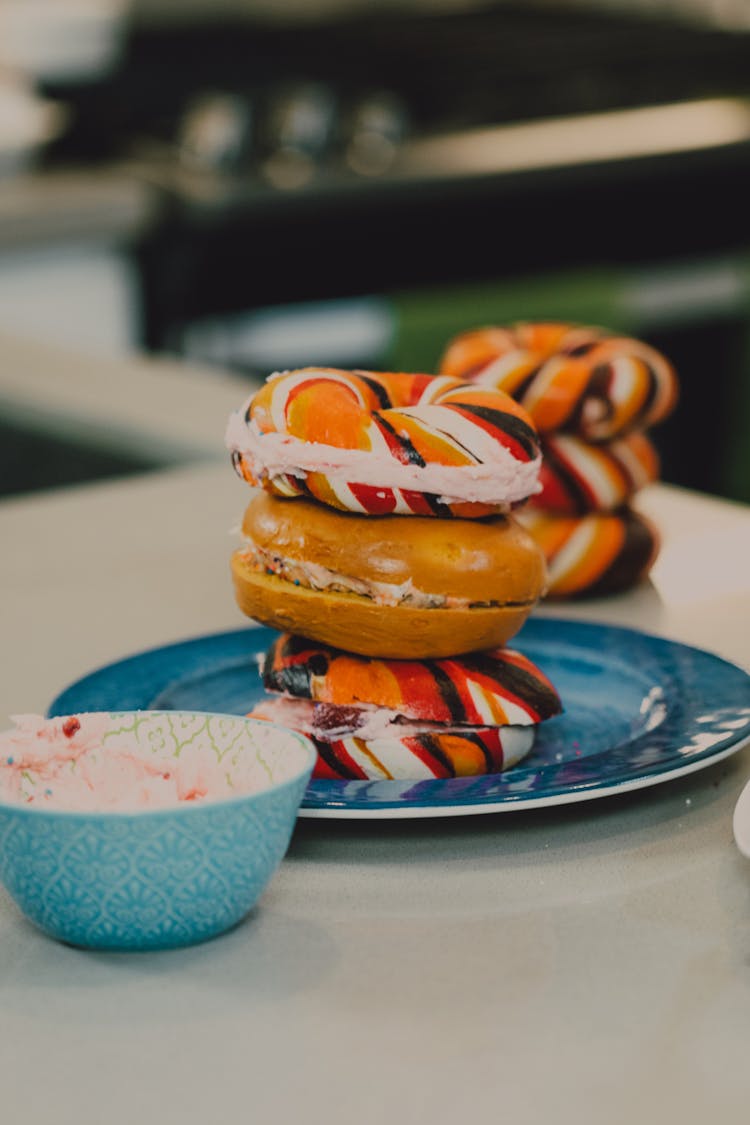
314,576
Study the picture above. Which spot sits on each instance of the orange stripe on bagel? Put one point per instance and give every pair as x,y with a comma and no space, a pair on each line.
471,351
628,408
550,532
543,338
403,388
329,413
260,408
429,750
646,453
466,757
607,542
392,684
431,447
349,680
551,407
472,510
318,486
512,379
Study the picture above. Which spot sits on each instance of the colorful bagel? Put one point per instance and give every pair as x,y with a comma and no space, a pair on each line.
578,477
595,554
383,444
568,377
500,687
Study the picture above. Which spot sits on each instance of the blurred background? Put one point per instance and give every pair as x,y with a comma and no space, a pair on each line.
196,187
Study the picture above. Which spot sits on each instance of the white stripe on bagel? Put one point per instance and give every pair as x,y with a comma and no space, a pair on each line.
591,466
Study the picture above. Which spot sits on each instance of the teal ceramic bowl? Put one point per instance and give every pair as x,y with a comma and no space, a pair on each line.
162,877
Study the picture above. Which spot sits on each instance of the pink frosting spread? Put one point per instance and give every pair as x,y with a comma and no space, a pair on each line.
78,764
500,479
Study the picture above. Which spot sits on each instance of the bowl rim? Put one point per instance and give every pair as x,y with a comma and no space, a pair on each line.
183,808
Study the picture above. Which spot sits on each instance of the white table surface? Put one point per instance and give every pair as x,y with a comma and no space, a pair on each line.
589,963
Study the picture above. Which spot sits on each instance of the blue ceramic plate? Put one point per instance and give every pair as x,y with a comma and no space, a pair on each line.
638,710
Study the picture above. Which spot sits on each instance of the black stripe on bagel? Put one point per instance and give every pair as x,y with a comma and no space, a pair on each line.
525,686
578,351
290,664
510,424
377,389
431,743
447,690
413,456
631,563
332,760
520,390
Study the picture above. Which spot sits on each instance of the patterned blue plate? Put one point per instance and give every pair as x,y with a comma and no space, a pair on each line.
638,710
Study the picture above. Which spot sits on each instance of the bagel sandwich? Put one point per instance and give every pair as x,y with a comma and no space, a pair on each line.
406,719
389,586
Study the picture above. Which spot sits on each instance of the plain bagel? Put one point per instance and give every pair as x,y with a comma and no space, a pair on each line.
384,585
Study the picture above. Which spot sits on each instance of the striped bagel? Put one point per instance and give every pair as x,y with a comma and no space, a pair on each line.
569,377
578,477
406,719
595,554
383,443
496,688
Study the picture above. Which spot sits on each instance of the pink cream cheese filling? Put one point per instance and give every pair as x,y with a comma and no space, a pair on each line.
500,479
366,721
314,576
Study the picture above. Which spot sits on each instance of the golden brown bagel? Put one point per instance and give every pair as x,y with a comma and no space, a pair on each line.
493,569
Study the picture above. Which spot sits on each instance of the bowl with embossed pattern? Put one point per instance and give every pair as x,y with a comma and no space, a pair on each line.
145,829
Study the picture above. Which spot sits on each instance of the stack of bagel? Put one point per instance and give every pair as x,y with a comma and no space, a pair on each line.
592,395
380,541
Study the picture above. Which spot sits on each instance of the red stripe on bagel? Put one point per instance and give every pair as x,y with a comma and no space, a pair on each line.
459,679
501,690
376,501
420,691
396,445
324,771
555,494
420,505
492,738
436,762
333,756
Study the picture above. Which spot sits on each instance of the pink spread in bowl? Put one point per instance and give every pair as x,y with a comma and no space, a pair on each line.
145,829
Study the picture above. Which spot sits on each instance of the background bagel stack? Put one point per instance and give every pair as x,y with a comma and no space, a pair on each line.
592,396
382,547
